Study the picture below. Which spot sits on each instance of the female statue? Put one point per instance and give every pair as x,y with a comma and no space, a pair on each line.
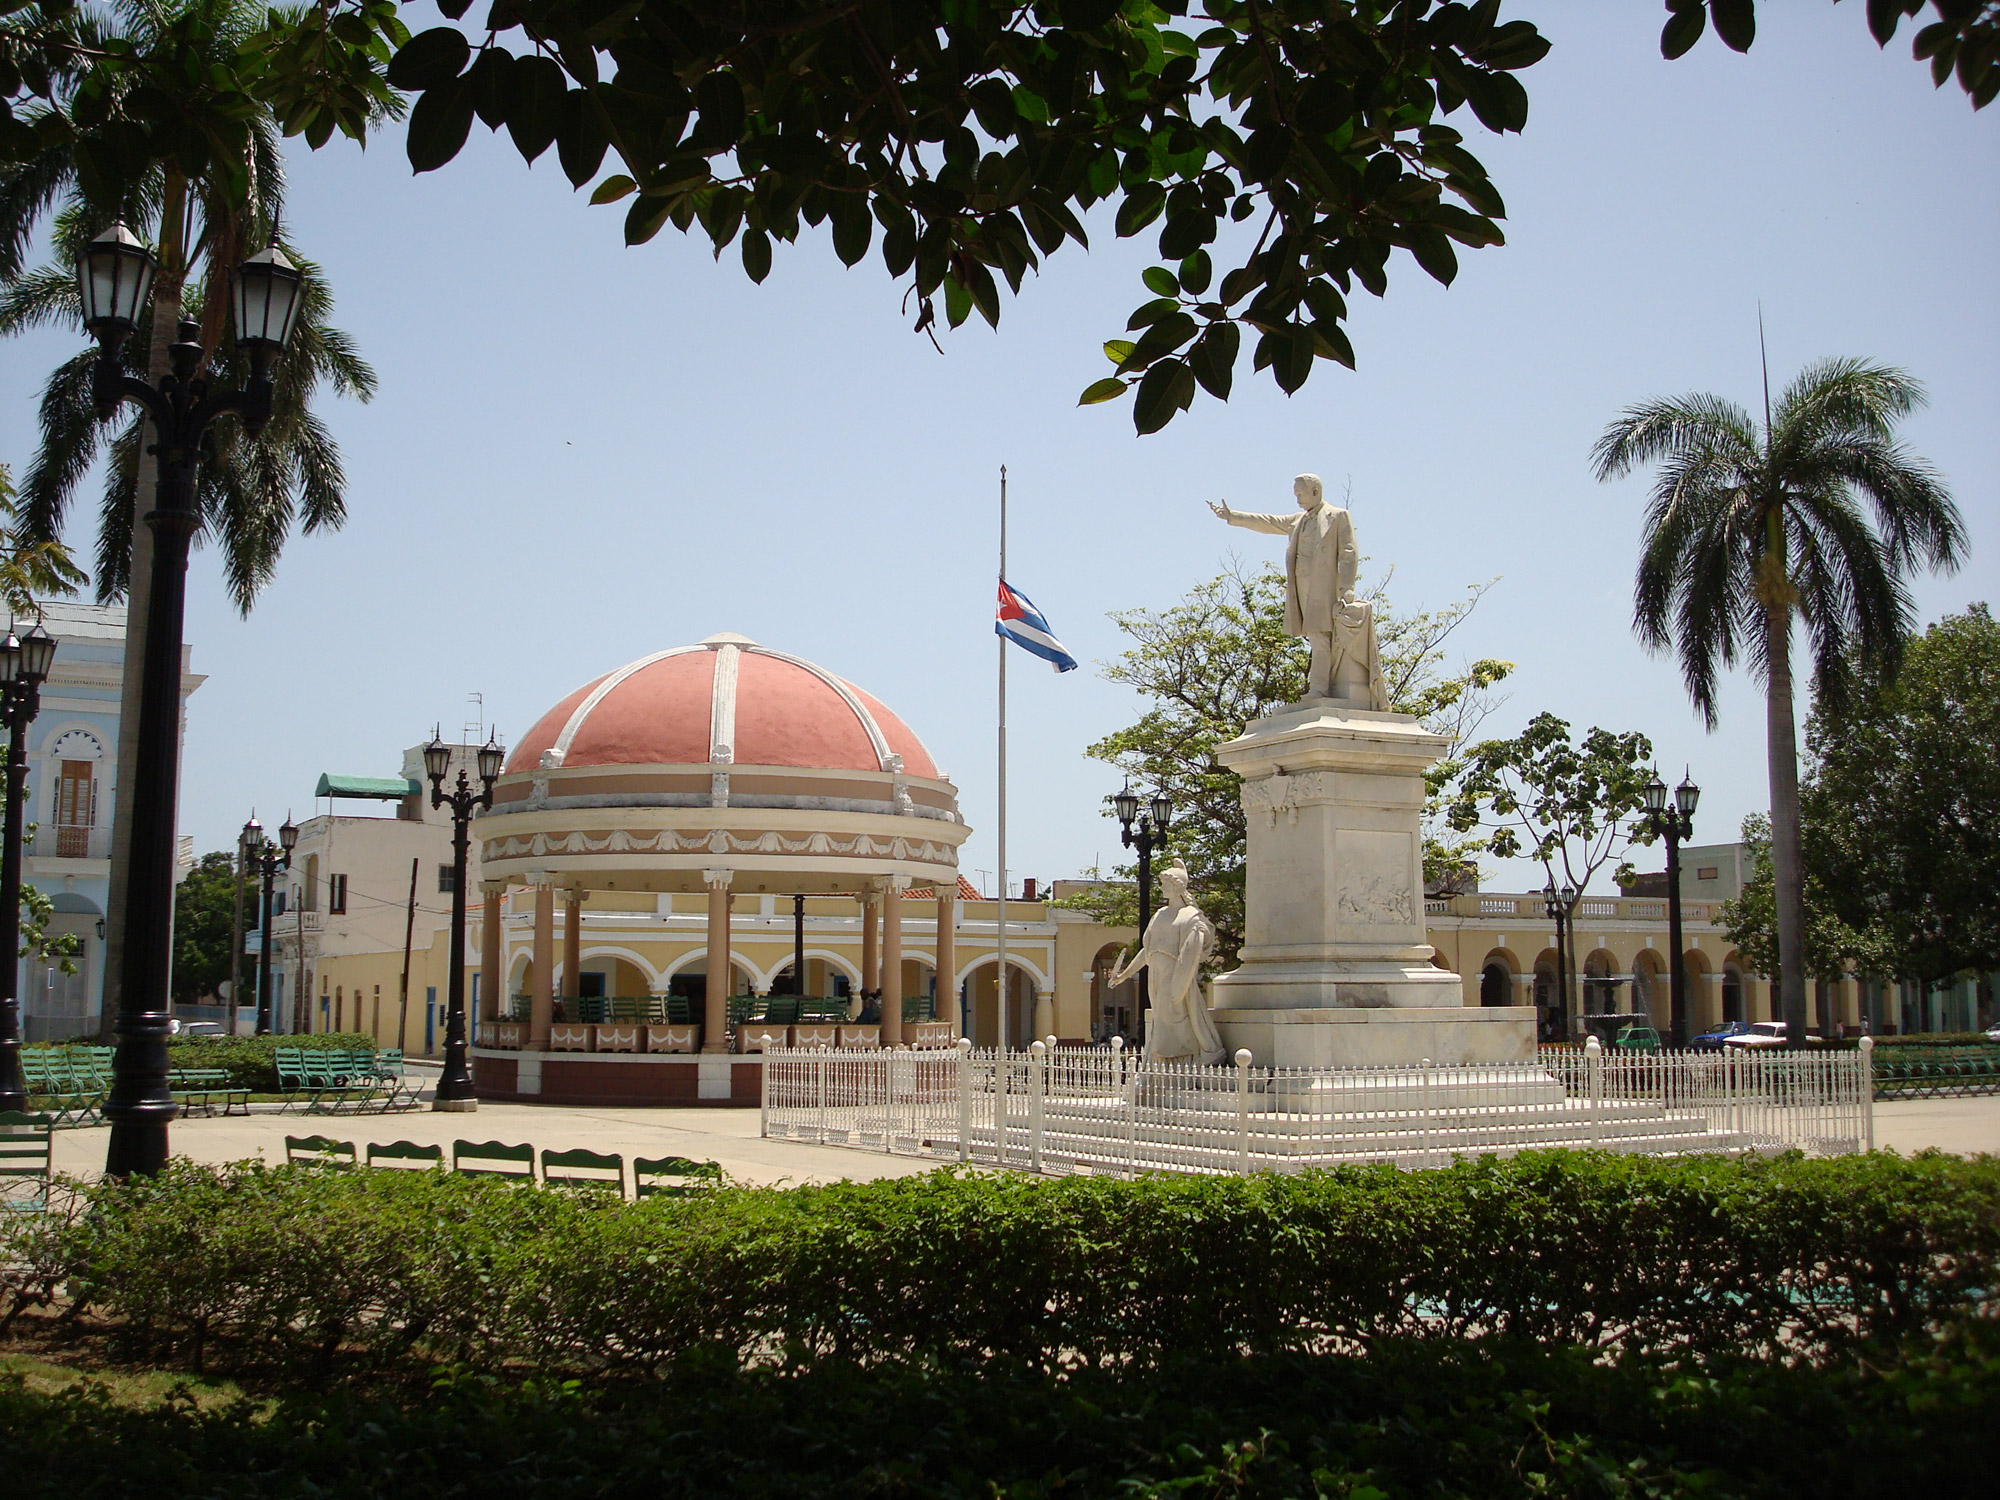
1171,950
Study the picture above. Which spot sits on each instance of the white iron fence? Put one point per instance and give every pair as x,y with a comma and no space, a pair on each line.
1063,1109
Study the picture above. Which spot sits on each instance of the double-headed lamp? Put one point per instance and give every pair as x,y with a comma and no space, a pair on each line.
115,276
10,659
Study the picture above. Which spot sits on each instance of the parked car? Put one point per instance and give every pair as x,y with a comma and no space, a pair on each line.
1638,1038
1759,1036
1713,1039
190,1030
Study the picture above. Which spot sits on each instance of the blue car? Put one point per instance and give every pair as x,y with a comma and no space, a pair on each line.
1712,1040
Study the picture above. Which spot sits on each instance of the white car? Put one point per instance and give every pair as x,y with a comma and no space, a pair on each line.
1760,1036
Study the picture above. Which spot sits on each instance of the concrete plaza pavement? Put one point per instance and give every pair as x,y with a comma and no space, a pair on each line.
730,1136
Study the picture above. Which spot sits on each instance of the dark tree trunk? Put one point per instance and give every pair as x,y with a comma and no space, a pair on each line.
1782,755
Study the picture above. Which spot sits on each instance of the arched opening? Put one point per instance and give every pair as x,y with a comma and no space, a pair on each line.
1551,1009
1602,984
1114,1009
1732,994
981,1006
690,982
1496,979
1701,999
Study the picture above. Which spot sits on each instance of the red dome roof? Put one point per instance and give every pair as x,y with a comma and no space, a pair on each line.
725,701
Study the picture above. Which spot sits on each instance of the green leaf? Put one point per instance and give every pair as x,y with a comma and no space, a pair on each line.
756,254
614,187
1160,281
1213,359
1292,358
1735,22
1683,29
1167,388
429,60
1195,273
1141,206
535,109
1118,350
646,217
581,143
491,82
439,123
1110,388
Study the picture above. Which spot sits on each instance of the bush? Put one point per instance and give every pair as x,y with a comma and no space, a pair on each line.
1432,1419
1699,1260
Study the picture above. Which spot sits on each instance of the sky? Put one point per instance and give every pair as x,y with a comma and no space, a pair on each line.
581,453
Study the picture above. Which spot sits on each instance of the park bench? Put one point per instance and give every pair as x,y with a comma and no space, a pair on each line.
596,1170
643,1010
816,1010
389,1072
26,1144
329,1077
73,1080
673,1176
204,1088
318,1151
682,1011
405,1156
493,1159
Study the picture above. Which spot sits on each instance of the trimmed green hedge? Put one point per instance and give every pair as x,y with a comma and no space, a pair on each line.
1486,1420
1695,1260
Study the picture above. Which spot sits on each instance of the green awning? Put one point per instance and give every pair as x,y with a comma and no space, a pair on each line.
382,788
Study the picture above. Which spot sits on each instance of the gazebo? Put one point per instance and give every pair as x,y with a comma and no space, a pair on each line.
715,771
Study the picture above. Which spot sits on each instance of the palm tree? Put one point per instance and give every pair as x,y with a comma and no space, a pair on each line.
198,161
1749,528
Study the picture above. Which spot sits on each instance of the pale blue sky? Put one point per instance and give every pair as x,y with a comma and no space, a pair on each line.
582,453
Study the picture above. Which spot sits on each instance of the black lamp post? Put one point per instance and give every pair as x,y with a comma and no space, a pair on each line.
260,855
1674,824
1559,904
1144,831
24,666
454,1089
115,276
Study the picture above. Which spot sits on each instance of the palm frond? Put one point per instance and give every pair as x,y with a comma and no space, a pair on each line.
41,298
1657,430
114,513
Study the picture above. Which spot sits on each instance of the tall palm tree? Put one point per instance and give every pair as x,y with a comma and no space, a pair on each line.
1750,528
170,141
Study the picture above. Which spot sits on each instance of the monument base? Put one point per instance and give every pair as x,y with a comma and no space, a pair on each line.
1379,1036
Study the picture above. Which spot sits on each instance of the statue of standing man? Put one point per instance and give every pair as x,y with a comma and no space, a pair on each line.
1320,607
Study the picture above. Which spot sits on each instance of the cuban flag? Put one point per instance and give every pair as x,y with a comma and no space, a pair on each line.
1020,622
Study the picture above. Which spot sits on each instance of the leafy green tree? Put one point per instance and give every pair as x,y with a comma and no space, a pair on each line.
968,138
1220,658
1832,948
30,570
1750,528
1963,39
204,925
1901,805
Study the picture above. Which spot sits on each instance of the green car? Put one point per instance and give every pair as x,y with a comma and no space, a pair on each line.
1638,1039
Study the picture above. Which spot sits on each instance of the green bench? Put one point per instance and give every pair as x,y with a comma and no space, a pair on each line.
329,1078
318,1151
595,1170
673,1176
204,1088
493,1159
405,1156
74,1081
26,1145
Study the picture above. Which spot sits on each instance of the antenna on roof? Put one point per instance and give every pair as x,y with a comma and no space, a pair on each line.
475,728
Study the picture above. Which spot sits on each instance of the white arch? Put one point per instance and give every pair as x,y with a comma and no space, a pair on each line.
700,956
607,950
1014,960
839,961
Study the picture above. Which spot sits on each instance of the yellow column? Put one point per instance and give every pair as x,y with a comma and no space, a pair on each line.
541,987
715,1014
572,941
947,955
892,963
493,978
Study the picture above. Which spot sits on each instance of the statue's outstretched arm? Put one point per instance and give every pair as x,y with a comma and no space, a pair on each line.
1252,521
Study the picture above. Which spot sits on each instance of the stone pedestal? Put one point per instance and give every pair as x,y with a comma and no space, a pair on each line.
1334,970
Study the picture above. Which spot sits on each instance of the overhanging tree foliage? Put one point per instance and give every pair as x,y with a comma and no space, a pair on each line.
965,139
1220,658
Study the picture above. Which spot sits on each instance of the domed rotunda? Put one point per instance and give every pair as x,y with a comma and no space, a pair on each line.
725,768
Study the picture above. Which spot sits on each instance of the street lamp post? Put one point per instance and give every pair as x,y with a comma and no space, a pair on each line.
454,1089
1674,824
260,855
24,666
1144,831
1560,904
115,276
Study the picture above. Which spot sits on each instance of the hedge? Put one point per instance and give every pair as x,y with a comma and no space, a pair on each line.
1432,1419
1694,1260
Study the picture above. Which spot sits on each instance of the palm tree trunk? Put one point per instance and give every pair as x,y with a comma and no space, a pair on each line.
169,284
1788,873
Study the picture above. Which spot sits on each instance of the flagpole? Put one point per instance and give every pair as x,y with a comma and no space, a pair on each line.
1000,985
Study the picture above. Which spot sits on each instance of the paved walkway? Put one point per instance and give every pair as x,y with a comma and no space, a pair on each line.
729,1136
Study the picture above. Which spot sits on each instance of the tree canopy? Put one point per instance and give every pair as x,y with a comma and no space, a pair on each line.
204,927
1219,658
1963,40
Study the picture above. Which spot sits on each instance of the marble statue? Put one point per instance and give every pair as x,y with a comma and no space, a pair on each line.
1171,949
1320,607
